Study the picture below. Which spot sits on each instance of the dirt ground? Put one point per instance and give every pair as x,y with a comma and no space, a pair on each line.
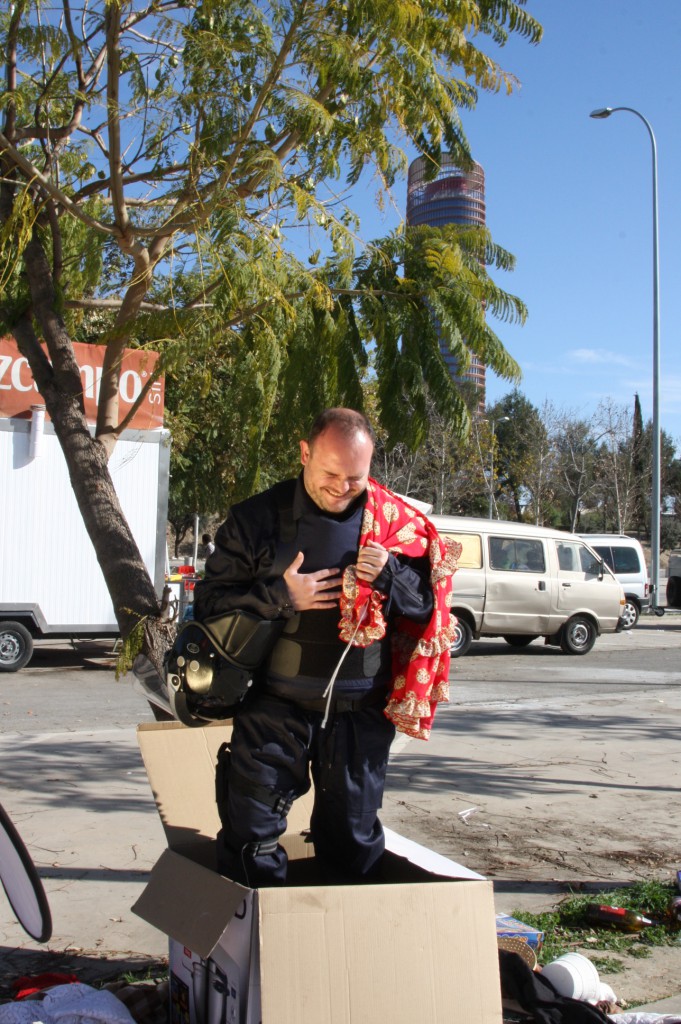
551,850
534,867
580,796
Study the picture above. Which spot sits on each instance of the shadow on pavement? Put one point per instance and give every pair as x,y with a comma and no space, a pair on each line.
87,654
59,771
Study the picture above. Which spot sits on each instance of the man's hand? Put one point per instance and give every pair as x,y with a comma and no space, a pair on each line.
370,561
307,590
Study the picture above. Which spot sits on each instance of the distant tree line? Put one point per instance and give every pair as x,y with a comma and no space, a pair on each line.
547,466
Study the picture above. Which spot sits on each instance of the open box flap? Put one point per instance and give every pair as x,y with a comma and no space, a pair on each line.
427,859
189,902
180,764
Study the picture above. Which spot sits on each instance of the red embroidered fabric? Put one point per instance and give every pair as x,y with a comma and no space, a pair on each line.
420,651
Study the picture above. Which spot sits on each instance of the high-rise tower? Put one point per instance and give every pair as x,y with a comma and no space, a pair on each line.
453,196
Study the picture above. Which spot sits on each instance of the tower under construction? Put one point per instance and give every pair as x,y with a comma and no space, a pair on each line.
453,196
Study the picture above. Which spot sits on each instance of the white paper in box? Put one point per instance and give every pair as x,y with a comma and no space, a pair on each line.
420,948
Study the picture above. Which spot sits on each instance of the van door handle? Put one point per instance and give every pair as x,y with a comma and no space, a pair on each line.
541,585
567,584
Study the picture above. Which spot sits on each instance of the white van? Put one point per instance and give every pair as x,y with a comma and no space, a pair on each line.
522,582
624,555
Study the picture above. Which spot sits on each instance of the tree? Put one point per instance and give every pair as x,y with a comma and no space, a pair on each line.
639,469
576,451
614,468
522,443
149,143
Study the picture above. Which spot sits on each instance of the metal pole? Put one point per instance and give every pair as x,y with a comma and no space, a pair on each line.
491,473
195,553
656,482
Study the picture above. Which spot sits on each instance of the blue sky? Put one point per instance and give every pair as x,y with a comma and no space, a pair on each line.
571,197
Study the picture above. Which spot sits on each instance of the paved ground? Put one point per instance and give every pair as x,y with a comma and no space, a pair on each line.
570,768
568,789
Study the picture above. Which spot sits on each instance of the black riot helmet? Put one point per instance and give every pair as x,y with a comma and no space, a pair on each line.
210,667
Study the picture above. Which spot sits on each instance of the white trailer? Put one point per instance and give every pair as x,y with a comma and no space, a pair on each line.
674,579
51,584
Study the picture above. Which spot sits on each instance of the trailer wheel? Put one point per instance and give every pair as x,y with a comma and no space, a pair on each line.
16,646
674,592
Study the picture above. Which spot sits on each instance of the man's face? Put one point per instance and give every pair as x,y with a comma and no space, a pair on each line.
336,468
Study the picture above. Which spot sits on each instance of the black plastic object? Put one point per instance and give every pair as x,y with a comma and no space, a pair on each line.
21,882
210,667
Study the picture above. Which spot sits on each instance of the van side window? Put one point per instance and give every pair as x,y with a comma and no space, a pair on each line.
606,554
619,558
590,565
471,549
574,557
510,555
567,557
626,559
500,553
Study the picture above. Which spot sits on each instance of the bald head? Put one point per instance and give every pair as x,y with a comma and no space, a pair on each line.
336,458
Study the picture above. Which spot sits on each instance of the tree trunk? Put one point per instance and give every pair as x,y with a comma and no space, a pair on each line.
58,379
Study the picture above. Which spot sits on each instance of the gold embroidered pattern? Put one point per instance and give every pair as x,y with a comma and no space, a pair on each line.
407,535
390,512
421,651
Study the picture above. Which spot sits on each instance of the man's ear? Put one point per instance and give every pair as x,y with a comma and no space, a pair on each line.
304,453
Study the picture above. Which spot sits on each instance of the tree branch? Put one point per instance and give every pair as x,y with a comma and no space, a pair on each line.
32,172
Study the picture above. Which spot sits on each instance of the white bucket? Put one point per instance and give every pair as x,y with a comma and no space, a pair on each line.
574,975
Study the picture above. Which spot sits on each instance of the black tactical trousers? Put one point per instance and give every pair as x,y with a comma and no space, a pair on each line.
276,746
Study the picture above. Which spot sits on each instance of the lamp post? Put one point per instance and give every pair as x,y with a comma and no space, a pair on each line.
604,112
493,423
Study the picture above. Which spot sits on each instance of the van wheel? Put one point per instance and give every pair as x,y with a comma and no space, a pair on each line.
520,639
16,646
463,637
630,615
578,635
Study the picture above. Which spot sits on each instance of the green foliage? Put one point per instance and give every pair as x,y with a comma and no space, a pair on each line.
131,646
235,117
160,164
567,927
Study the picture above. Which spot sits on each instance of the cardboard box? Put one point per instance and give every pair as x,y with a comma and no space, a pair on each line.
509,928
418,948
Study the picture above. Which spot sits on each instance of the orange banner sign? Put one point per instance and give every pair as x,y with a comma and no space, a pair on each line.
18,391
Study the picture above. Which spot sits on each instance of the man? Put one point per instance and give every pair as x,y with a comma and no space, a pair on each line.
308,714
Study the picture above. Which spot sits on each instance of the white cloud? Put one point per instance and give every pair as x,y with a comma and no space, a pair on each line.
600,356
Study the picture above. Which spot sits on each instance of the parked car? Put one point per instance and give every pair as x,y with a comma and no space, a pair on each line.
624,555
522,582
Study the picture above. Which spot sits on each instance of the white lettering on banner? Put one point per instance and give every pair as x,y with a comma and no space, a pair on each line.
16,376
5,363
18,390
92,379
127,392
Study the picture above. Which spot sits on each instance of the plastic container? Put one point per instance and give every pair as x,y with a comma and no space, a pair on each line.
574,975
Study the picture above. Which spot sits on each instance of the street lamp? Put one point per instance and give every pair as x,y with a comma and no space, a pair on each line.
604,112
493,423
